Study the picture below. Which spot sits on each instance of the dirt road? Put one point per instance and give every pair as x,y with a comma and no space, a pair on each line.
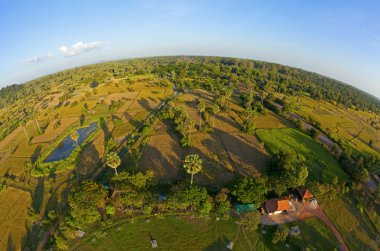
304,211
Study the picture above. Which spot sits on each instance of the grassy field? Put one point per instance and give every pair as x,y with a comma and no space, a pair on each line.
314,235
184,233
354,226
322,166
13,205
176,233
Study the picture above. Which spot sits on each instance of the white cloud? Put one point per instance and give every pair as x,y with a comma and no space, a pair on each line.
80,47
36,59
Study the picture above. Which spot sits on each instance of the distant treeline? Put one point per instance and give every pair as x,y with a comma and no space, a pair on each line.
205,71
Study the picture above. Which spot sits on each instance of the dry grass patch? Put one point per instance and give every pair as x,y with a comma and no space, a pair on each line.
13,216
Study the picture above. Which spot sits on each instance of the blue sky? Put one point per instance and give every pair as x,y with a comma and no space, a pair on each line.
340,39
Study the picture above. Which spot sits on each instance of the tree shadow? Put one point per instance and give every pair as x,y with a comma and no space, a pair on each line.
145,104
131,119
219,244
10,245
38,194
244,155
31,237
36,154
230,122
165,167
87,161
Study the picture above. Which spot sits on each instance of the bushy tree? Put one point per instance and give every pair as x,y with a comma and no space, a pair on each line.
85,200
113,160
280,234
288,171
248,190
249,220
75,136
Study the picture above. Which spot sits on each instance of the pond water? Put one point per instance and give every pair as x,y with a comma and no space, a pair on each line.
67,146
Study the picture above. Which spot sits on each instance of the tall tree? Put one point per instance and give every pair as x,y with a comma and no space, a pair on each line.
113,160
215,109
26,133
201,108
192,164
75,136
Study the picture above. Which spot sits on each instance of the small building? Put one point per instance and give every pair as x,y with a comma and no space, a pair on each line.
277,205
243,208
230,245
80,233
304,194
154,243
294,230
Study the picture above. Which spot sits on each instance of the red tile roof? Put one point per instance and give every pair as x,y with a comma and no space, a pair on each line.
278,204
305,193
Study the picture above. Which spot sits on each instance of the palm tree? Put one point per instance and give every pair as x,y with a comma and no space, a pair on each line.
192,165
113,160
201,108
75,136
23,123
215,109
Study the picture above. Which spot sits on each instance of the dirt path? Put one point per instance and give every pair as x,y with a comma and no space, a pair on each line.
304,211
322,216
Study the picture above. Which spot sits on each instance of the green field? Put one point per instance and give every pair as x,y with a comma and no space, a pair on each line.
184,233
354,226
349,124
322,166
175,233
314,235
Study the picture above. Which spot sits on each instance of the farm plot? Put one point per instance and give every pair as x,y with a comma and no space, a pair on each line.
248,156
270,120
162,155
354,126
13,216
225,155
354,226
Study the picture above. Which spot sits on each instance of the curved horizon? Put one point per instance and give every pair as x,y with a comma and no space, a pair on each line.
337,39
216,56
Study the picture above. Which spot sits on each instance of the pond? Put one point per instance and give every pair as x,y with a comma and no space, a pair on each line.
67,146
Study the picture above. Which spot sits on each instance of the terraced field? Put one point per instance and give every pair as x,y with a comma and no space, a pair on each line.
352,125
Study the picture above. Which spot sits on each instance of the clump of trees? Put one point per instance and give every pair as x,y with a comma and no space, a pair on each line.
182,121
288,171
248,190
280,234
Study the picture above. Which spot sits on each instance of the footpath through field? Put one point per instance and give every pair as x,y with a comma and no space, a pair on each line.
304,211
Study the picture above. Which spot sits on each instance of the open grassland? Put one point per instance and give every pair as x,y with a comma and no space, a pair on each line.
184,233
314,235
321,165
13,206
354,226
352,125
176,233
